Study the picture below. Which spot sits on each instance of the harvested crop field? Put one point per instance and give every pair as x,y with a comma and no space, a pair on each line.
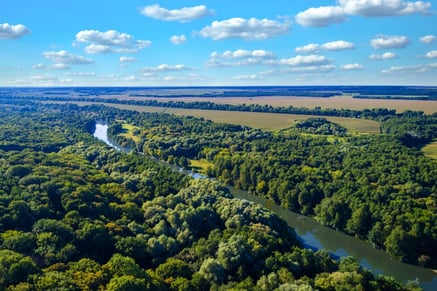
266,121
339,102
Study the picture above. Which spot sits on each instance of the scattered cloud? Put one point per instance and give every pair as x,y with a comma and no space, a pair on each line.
184,14
327,46
110,41
8,31
178,39
389,42
321,16
326,15
378,8
165,68
428,39
59,67
352,67
337,45
384,56
431,54
128,59
240,58
248,29
412,69
66,58
308,48
251,77
300,60
84,74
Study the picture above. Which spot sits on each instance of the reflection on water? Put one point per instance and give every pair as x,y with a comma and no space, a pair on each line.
315,236
339,244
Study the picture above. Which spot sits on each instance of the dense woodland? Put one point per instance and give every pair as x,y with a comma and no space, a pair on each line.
78,215
380,188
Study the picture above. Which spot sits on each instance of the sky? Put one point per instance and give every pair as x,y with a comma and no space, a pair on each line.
217,43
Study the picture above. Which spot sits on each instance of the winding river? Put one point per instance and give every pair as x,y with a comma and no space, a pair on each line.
315,236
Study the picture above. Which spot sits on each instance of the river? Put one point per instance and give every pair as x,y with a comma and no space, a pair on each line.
315,236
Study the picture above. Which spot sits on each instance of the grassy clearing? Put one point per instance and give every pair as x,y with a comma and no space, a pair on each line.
130,132
430,150
200,165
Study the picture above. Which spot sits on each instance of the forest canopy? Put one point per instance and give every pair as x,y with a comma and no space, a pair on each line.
78,215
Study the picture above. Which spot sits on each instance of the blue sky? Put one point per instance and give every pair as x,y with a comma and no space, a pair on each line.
189,43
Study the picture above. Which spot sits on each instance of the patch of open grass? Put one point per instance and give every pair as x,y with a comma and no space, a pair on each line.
430,150
131,132
200,165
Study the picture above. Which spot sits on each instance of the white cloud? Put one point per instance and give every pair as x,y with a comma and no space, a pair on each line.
384,56
38,66
388,42
8,31
328,46
141,44
184,14
84,74
247,77
59,67
178,39
240,58
165,68
308,48
338,45
377,8
427,39
128,59
263,54
310,60
321,16
412,69
110,41
327,15
249,29
431,54
64,57
351,67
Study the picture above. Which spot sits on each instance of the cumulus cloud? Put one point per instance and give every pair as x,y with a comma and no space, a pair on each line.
352,67
247,77
375,8
308,48
388,42
327,15
249,29
66,58
412,69
110,41
327,46
128,59
427,39
338,45
240,58
384,56
8,31
431,54
300,60
184,14
321,16
51,67
165,68
178,39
